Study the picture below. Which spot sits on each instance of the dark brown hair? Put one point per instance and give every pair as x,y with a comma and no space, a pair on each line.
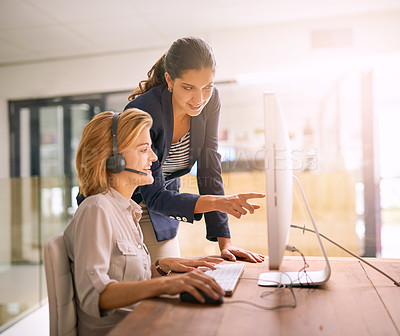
187,53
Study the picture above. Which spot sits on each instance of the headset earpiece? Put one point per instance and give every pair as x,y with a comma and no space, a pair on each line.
116,162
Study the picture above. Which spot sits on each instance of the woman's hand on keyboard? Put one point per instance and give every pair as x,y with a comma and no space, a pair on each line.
185,265
191,282
231,252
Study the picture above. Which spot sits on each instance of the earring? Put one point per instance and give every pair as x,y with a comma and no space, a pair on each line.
169,89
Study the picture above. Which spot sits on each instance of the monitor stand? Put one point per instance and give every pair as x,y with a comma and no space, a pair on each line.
304,279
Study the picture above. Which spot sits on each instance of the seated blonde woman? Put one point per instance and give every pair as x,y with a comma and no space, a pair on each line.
110,263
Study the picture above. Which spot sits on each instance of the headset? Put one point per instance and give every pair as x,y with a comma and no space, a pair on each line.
116,163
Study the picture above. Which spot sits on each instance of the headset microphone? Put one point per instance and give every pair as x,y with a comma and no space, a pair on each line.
135,171
116,162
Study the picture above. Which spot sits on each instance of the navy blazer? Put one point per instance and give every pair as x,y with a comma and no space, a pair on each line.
166,205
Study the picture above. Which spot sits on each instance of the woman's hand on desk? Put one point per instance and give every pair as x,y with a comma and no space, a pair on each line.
191,282
235,205
230,252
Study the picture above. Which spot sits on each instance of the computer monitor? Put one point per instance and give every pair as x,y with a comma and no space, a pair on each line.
280,178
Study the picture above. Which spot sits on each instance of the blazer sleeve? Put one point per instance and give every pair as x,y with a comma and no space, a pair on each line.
209,170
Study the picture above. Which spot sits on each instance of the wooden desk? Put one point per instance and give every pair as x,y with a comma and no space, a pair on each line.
357,300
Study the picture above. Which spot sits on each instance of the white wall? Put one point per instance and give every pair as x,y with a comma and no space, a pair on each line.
240,51
279,45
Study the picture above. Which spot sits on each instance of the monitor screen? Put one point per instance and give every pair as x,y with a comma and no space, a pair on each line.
279,180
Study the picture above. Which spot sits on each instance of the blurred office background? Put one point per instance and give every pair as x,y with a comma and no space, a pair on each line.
335,66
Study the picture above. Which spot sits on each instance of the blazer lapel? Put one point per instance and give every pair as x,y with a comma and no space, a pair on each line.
197,133
168,121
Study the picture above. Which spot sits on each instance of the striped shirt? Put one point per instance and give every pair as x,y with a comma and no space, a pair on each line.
178,156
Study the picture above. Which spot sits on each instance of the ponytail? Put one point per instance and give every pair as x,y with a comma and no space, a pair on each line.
155,77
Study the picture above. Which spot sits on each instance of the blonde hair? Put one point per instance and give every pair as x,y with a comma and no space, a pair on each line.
95,146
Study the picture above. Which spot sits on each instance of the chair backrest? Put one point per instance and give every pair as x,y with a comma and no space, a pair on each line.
60,288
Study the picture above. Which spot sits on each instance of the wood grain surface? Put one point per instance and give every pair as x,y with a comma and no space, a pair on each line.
357,300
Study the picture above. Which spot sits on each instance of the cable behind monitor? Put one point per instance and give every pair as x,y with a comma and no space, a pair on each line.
397,283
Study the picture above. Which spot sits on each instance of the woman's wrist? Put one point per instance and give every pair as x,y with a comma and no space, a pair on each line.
206,203
163,267
224,242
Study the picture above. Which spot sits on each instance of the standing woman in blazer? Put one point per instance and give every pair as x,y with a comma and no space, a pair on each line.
181,97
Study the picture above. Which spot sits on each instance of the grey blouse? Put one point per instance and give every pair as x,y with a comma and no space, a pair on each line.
105,244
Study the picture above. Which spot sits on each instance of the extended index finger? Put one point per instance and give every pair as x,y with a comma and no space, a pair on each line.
247,196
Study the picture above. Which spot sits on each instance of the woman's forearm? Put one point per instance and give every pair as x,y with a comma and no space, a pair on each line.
122,294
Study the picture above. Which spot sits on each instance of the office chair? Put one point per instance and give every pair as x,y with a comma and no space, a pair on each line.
60,288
